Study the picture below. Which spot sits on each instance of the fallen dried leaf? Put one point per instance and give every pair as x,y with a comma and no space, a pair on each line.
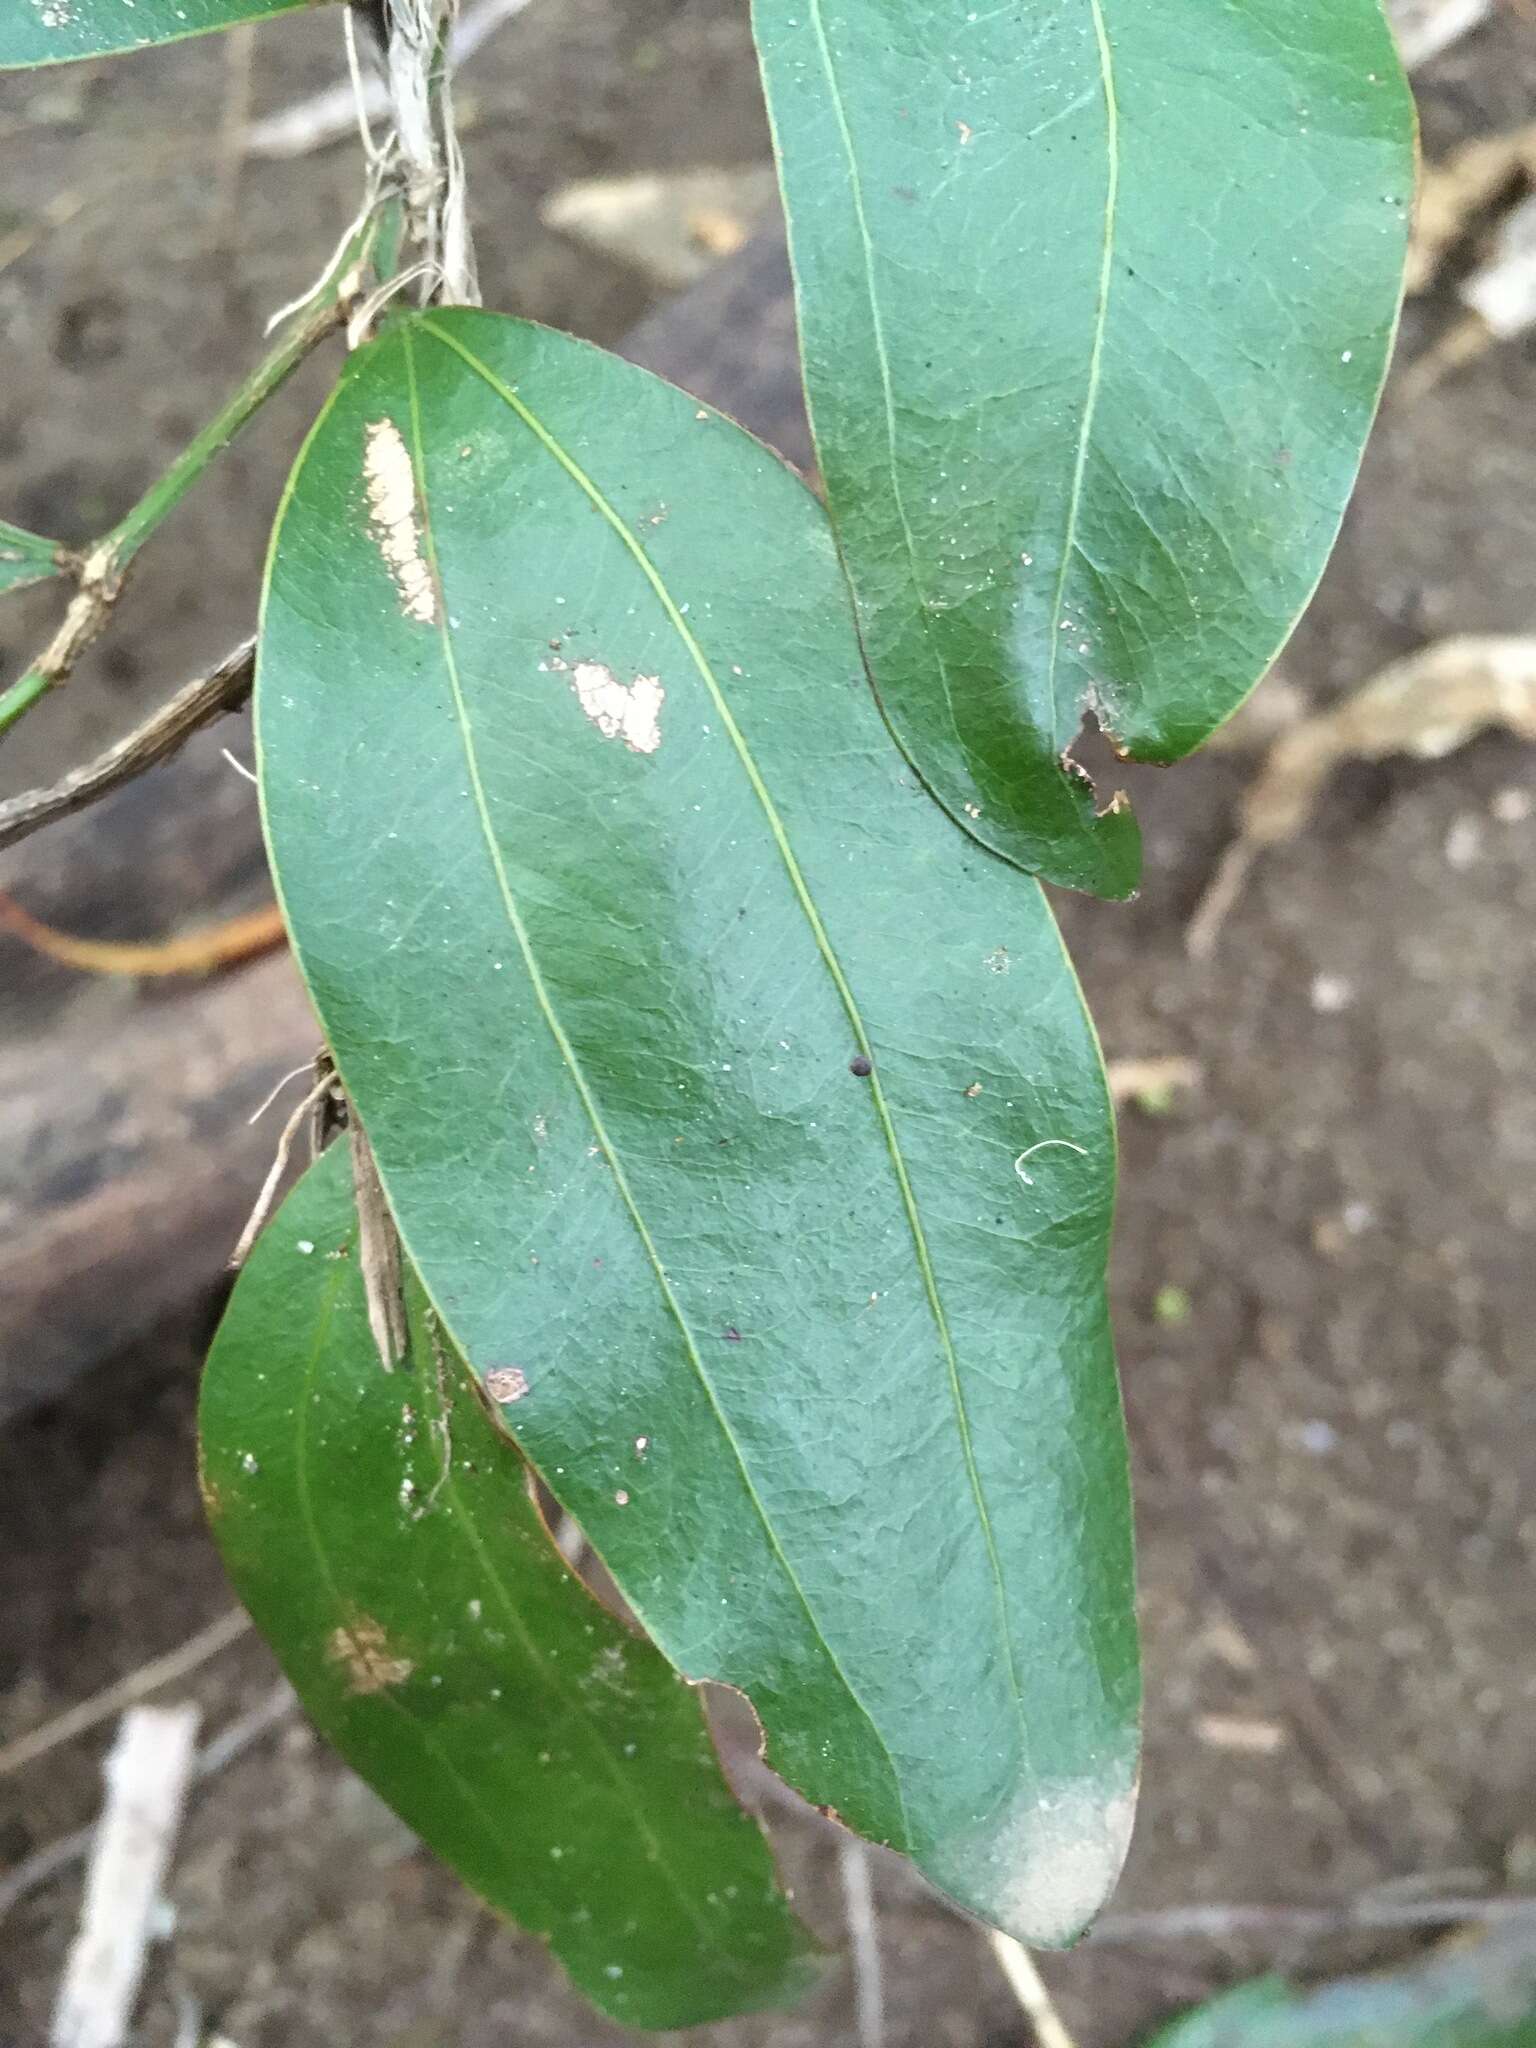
1426,705
672,226
1453,194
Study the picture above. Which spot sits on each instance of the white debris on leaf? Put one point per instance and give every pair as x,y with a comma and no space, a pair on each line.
628,712
395,517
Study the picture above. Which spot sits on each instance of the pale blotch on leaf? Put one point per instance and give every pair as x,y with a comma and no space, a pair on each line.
1041,1871
362,1647
395,518
506,1383
628,712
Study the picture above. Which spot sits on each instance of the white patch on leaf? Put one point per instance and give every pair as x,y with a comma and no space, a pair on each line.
628,712
1042,1870
395,517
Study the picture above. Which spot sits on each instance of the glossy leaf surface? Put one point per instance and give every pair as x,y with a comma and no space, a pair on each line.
741,1116
379,1528
25,558
54,31
1095,299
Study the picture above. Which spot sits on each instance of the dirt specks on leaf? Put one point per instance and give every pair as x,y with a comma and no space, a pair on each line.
362,1647
629,712
395,517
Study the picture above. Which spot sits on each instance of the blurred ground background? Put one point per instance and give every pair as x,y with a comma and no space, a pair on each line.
1323,1277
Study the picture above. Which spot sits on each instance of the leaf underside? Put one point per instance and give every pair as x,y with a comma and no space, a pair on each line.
1096,300
25,558
741,1117
55,31
380,1529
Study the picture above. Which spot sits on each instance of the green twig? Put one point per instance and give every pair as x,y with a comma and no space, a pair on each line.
102,568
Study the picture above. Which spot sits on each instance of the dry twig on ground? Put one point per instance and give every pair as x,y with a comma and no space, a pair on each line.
1289,1923
1029,1988
231,1742
863,1942
148,1773
151,1677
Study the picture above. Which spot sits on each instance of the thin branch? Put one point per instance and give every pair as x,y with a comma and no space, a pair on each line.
1221,1923
246,1730
1372,1910
234,126
328,116
162,734
863,1942
231,1742
104,567
1028,1987
203,951
138,1685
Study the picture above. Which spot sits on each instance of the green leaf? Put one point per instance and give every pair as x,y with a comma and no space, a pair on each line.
55,31
1473,1995
721,1089
25,558
379,1528
1095,301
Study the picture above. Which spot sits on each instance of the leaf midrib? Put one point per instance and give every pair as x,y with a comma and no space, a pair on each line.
345,1609
838,103
554,1683
1096,354
563,1043
622,1780
883,361
845,994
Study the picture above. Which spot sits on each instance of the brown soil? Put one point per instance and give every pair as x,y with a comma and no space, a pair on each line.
1334,1444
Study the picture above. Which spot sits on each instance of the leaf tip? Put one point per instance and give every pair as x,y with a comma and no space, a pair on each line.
1043,1869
